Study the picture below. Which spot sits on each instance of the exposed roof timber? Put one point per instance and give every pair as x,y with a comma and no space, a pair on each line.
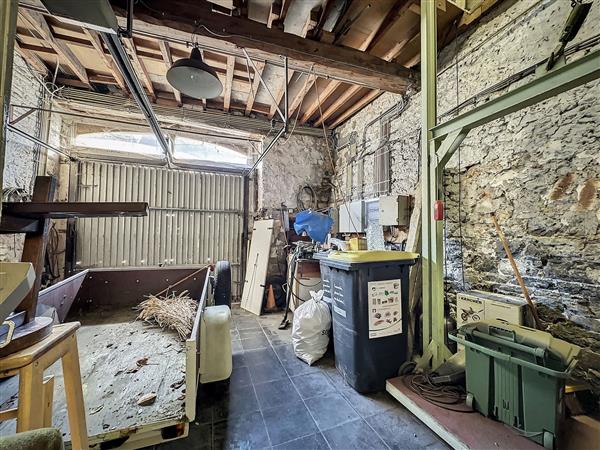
339,62
32,59
297,98
165,51
38,21
108,62
228,82
139,67
320,97
254,86
368,98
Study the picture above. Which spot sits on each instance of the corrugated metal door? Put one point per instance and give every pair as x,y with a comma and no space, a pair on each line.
194,218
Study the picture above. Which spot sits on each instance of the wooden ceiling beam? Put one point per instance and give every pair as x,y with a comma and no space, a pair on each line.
165,51
94,38
335,61
364,101
41,27
254,85
228,82
32,59
139,67
296,100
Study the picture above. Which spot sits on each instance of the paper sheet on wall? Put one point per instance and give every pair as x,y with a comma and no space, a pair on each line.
385,308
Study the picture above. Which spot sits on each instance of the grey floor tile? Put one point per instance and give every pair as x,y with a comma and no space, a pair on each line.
247,324
330,410
245,334
276,393
400,430
236,347
369,404
240,376
270,371
234,402
246,432
312,442
312,384
260,356
199,437
335,377
355,435
255,342
288,422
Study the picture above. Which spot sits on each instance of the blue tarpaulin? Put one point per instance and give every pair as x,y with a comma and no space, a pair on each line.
316,225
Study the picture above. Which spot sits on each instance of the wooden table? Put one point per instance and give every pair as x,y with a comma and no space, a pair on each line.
35,393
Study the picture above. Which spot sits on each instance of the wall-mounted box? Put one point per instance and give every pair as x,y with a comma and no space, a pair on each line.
351,216
394,210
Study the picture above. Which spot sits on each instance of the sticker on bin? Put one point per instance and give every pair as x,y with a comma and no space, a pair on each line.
385,308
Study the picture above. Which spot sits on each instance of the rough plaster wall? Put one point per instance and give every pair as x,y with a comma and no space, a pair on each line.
291,164
21,155
539,169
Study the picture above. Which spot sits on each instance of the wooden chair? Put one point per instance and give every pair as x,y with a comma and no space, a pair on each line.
34,408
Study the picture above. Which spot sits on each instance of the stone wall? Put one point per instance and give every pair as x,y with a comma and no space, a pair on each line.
538,169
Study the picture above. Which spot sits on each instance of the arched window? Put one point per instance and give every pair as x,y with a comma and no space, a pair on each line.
191,150
121,141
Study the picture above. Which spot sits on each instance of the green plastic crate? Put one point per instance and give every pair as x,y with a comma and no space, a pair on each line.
517,375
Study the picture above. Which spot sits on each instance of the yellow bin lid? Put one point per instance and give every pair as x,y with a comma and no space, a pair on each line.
364,256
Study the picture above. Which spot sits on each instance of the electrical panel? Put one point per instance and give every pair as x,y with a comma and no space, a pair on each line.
351,217
394,210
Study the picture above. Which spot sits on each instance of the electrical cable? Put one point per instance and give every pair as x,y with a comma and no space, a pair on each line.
448,397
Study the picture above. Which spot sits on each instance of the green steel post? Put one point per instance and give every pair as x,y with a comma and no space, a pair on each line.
428,117
8,22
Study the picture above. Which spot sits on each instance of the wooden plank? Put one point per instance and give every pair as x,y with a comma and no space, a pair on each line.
165,51
34,248
32,59
254,87
140,68
228,82
74,396
256,268
279,94
459,430
94,38
11,225
368,98
334,60
297,98
68,210
38,21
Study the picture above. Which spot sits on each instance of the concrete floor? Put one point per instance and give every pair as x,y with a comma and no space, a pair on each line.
276,401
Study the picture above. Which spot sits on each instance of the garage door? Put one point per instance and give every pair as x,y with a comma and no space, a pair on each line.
195,217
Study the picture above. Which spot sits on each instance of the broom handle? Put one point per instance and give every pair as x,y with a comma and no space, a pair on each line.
532,306
187,277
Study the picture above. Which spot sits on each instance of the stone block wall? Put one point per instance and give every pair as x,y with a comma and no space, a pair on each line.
538,169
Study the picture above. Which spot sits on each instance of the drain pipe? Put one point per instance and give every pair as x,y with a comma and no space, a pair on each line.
116,49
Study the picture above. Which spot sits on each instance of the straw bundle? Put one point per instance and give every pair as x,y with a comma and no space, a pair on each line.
174,312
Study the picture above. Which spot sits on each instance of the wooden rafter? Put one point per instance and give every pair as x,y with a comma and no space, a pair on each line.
165,51
140,68
94,38
254,87
368,98
228,82
32,59
296,100
38,21
336,61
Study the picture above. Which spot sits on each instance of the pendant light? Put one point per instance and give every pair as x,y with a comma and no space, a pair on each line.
194,78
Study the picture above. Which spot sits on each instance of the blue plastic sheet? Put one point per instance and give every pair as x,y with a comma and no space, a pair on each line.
316,225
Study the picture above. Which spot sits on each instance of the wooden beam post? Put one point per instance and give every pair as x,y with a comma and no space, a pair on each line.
228,83
254,86
34,249
97,43
140,68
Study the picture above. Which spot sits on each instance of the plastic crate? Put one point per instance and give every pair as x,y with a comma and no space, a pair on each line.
517,375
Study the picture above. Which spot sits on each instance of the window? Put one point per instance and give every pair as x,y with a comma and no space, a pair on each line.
192,149
121,141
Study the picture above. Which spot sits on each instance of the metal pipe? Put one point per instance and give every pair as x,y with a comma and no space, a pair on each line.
266,150
285,93
115,47
262,81
38,141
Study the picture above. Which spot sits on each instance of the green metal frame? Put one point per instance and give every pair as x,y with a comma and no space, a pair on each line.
439,144
8,23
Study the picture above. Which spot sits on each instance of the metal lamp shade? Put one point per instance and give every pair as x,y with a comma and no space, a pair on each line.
194,78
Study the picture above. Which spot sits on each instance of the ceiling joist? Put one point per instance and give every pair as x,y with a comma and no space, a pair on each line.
165,51
96,41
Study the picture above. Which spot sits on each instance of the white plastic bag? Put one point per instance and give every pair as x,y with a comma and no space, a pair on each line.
310,329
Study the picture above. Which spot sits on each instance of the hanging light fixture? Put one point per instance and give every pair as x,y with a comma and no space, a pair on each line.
194,78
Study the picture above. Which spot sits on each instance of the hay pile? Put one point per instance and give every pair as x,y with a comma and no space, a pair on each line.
174,312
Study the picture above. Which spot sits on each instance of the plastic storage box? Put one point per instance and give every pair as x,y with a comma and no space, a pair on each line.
517,375
369,301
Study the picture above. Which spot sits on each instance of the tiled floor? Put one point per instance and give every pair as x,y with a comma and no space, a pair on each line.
276,401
